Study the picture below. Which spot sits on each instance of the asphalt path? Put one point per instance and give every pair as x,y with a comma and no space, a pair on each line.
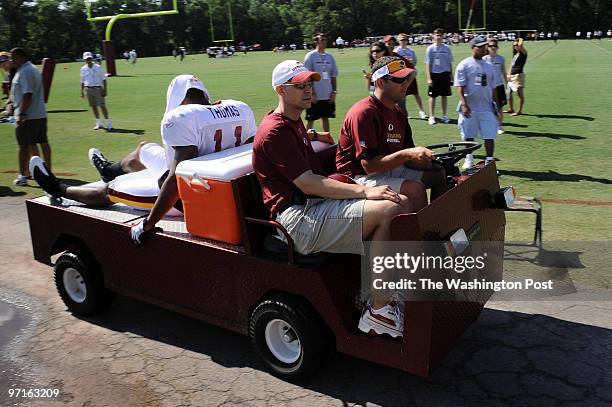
518,353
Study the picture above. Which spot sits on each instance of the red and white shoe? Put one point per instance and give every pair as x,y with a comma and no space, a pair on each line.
386,320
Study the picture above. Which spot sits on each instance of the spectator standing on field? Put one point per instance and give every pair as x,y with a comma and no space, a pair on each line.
377,51
93,85
133,56
404,51
30,112
439,70
499,63
475,80
516,78
324,91
340,44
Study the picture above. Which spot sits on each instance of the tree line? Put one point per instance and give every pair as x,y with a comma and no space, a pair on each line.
59,29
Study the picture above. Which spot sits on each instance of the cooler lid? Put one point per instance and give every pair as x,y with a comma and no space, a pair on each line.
227,164
224,165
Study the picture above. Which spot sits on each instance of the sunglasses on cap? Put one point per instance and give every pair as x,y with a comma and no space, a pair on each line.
300,86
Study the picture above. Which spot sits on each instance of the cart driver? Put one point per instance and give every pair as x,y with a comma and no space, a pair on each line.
320,214
190,128
375,146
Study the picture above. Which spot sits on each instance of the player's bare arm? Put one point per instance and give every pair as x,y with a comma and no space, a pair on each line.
168,193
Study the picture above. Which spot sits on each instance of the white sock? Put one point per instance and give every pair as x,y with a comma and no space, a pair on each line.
108,122
469,157
489,159
98,122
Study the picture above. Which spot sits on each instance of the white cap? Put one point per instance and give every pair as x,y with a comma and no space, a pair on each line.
178,89
292,71
87,55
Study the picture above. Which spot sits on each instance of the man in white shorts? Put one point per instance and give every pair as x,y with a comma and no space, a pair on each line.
191,127
477,112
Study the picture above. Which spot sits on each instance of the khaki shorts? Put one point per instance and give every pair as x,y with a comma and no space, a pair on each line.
516,81
393,178
325,225
94,96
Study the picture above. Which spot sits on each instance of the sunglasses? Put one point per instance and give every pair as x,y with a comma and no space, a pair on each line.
377,50
300,86
492,46
398,80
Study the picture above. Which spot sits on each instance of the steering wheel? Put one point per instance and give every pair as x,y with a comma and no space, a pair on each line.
454,152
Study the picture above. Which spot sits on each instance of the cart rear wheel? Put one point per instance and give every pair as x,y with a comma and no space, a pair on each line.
80,285
288,338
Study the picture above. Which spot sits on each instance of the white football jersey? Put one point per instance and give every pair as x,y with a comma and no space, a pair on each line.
211,128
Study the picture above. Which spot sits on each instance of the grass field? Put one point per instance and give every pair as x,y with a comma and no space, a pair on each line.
559,150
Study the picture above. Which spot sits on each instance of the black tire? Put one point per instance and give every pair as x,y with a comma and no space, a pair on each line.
95,297
307,327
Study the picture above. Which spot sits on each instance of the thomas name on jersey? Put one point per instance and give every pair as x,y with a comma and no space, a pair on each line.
224,111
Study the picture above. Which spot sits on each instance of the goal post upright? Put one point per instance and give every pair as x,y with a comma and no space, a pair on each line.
107,43
468,23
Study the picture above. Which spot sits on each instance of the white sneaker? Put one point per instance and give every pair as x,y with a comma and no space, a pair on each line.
21,180
386,320
500,131
445,119
109,126
432,120
422,115
469,162
98,126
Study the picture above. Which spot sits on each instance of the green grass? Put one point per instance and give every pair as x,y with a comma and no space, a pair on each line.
561,149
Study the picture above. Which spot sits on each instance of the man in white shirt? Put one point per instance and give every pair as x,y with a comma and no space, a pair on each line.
340,44
475,79
93,85
192,127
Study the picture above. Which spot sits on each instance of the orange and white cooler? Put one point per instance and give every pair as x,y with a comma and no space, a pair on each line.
205,187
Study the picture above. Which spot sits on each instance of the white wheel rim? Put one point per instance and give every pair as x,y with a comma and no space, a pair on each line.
74,285
282,340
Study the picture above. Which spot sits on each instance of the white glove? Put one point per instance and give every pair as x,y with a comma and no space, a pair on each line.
137,231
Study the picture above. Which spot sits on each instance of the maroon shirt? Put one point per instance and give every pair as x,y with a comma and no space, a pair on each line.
281,153
370,129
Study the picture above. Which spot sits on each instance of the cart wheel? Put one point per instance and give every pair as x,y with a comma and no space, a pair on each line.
80,285
287,337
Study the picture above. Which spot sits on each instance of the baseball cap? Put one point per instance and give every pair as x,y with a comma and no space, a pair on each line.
178,89
4,56
479,41
292,71
396,68
87,55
